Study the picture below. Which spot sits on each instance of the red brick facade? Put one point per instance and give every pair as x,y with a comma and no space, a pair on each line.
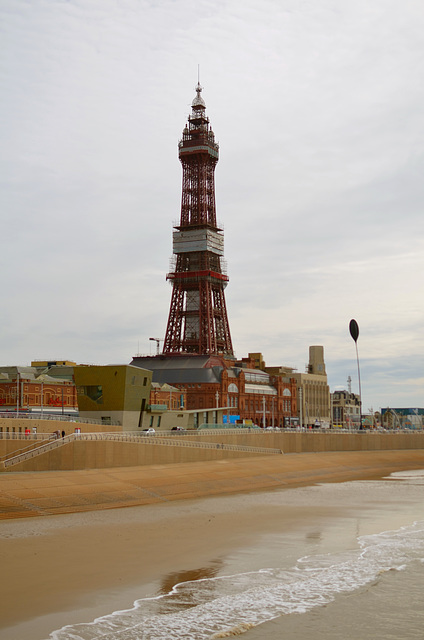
34,394
168,396
274,397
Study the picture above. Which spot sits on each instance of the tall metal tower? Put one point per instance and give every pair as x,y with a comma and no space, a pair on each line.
197,321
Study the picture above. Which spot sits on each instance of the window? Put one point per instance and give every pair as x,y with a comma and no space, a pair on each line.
94,392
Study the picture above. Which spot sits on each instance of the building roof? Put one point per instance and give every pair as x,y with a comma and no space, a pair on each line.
44,377
7,374
163,387
182,369
29,373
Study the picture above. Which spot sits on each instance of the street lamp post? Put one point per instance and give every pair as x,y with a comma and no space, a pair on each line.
17,394
301,407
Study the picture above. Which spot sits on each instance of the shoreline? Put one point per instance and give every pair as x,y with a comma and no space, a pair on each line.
76,565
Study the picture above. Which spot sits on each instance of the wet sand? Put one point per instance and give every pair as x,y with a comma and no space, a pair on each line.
96,559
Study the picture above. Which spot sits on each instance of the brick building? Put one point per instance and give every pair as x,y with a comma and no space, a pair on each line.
166,395
346,410
25,389
248,394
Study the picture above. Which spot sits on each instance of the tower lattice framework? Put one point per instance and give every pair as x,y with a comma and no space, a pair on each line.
198,321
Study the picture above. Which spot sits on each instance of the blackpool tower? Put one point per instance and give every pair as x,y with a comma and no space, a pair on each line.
197,322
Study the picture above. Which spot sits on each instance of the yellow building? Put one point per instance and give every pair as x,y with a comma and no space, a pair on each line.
113,393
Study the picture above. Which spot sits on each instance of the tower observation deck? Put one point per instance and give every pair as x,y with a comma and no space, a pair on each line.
197,322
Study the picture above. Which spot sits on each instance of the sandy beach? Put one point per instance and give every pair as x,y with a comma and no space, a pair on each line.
73,566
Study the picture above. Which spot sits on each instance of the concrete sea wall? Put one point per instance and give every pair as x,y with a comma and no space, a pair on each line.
101,454
314,441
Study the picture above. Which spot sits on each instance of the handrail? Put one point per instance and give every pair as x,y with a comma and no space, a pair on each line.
195,444
43,448
139,438
32,445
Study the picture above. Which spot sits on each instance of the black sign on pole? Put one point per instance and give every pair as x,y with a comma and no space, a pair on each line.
354,332
354,329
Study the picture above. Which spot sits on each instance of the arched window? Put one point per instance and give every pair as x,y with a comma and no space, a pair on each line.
232,388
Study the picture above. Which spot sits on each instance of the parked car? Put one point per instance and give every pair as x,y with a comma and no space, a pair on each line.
177,429
148,432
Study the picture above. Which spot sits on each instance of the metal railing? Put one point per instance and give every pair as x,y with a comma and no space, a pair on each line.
13,459
32,445
60,418
139,438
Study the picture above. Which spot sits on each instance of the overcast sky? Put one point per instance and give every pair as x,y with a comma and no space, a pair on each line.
318,109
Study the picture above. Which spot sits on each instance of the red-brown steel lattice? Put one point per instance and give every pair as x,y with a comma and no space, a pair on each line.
198,321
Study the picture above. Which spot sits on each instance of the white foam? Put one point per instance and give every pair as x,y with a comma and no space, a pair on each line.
414,476
212,607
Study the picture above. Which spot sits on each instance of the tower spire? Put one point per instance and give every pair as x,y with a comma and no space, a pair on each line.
197,321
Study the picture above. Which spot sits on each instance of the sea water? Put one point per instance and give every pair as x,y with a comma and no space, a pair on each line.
370,590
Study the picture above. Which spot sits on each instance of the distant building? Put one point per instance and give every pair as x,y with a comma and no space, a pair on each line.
46,364
167,396
402,417
314,392
27,390
346,410
63,369
211,384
